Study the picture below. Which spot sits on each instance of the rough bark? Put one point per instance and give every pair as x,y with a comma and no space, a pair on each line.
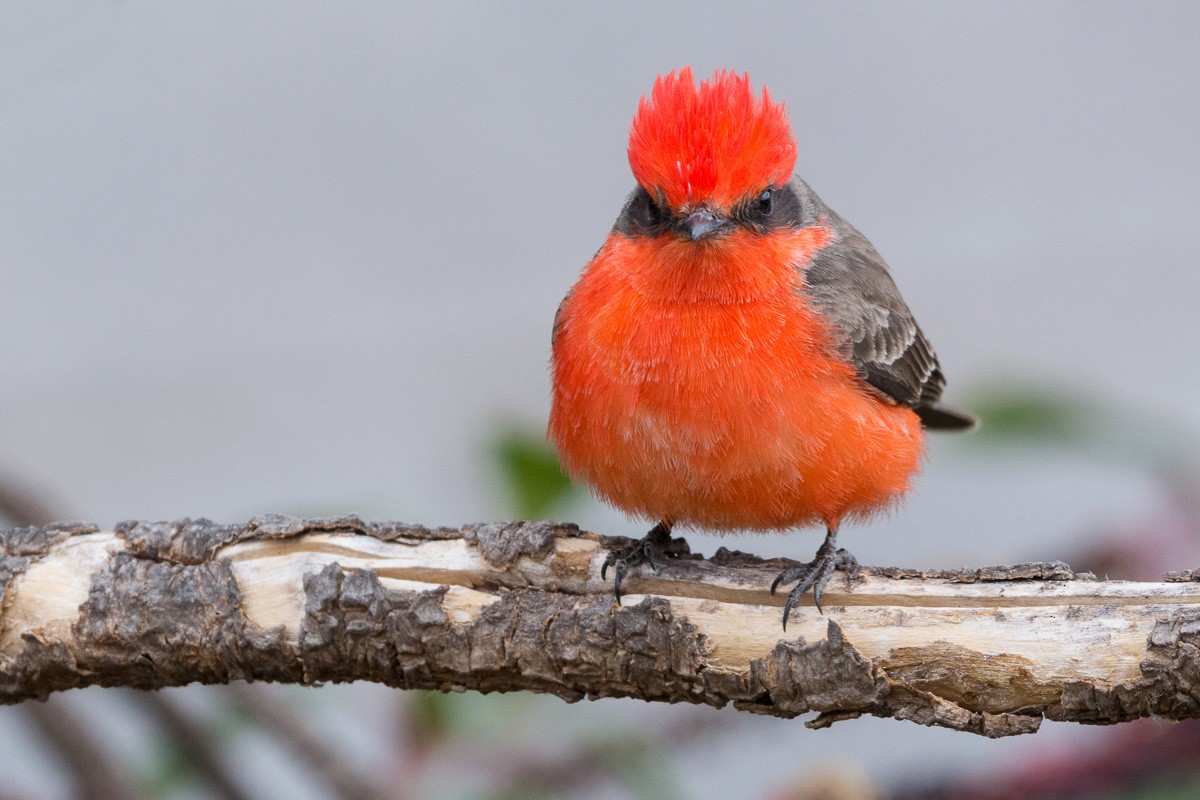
520,606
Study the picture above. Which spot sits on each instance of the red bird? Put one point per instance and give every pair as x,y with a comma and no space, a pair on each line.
736,355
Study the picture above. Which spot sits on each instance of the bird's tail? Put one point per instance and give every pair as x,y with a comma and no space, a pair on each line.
937,417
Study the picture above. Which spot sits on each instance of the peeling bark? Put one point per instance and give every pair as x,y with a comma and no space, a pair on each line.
520,606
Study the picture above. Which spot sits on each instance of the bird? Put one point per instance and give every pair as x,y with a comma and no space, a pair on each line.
737,356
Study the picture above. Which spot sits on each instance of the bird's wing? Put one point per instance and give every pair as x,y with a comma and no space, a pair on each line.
558,318
849,282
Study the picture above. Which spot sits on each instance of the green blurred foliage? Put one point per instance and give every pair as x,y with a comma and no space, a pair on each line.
1091,423
430,717
173,770
1171,787
529,467
1033,413
169,772
639,767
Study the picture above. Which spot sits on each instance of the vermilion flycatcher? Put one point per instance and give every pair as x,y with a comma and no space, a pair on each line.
736,355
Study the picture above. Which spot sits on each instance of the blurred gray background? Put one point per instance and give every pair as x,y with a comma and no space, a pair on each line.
303,258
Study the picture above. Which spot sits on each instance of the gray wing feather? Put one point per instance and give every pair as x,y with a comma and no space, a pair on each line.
849,282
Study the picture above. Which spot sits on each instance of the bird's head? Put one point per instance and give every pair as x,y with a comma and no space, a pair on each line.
709,158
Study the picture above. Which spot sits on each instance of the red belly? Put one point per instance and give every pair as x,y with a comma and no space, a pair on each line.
723,415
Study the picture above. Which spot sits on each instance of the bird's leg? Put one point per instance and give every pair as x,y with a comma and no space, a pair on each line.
654,546
816,573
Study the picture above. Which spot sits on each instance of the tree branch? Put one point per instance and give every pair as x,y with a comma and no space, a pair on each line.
520,606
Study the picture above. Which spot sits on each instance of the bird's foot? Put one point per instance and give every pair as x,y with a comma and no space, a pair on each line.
651,549
816,573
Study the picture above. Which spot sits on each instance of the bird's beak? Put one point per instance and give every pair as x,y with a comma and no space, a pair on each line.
703,222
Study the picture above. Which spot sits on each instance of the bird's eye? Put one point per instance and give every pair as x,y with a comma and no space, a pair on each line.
642,215
652,212
766,201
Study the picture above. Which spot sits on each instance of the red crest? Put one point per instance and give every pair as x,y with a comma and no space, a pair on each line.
717,143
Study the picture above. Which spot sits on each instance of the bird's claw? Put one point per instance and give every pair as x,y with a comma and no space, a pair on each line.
815,575
650,549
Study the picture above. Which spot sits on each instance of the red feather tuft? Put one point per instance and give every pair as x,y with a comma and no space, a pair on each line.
716,143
